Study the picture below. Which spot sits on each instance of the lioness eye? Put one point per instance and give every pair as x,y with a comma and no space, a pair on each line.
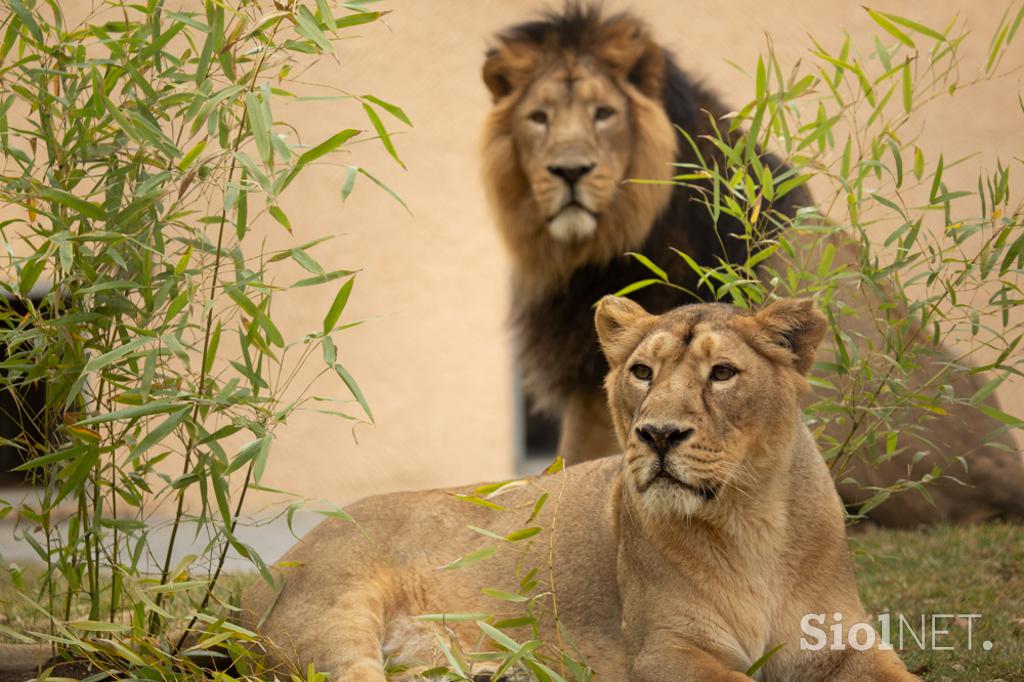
642,372
723,372
603,113
538,116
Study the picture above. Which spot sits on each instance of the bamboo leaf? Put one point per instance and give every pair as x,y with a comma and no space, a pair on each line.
468,560
392,109
327,146
647,263
357,393
382,132
890,28
64,198
338,305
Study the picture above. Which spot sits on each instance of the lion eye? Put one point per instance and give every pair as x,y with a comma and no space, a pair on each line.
538,116
723,372
642,372
603,113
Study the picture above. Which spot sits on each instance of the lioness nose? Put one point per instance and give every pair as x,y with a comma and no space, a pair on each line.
571,174
662,438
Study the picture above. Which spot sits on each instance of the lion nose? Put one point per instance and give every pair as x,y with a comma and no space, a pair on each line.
571,174
662,438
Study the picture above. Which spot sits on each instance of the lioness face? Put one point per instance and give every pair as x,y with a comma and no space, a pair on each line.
704,397
573,137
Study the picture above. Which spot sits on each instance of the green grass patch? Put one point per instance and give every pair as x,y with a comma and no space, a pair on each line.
950,570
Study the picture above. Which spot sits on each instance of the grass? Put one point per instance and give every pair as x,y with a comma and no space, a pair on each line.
946,570
950,570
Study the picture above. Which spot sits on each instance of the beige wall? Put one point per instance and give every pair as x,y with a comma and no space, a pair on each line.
435,360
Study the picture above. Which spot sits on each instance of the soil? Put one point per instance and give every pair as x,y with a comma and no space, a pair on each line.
71,669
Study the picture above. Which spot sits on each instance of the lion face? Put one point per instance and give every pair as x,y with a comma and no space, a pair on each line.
705,398
572,134
577,113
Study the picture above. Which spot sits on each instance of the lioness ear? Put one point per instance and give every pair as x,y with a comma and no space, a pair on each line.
794,325
627,47
507,67
619,327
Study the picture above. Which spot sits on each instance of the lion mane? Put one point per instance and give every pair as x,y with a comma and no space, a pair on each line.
555,284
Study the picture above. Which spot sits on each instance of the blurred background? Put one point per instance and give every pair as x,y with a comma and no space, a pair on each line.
434,357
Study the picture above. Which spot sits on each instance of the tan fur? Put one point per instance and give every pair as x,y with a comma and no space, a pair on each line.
637,141
651,579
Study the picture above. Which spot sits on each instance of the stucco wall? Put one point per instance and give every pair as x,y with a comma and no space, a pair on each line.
435,361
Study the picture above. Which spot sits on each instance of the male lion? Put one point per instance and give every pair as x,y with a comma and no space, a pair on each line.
583,103
688,559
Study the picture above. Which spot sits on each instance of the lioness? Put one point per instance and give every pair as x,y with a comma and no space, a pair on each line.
686,560
584,102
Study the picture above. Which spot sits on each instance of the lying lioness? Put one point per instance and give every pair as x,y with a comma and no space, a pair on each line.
716,538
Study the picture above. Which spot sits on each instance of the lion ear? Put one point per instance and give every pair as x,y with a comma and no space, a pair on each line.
627,47
620,327
508,67
795,327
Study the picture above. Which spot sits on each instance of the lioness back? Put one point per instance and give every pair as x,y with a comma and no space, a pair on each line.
394,550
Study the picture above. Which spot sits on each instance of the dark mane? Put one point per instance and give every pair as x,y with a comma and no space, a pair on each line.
557,343
574,28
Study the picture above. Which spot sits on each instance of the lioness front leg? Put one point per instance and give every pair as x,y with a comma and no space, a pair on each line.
674,661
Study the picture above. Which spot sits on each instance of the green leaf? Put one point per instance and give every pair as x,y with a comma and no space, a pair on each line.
99,626
357,19
759,663
505,596
385,138
116,354
936,181
473,557
260,126
156,407
27,19
327,146
242,214
29,275
351,173
890,28
187,160
1002,417
257,314
522,534
77,204
908,88
662,275
498,636
307,262
913,26
158,433
338,306
280,216
636,286
390,108
357,393
211,349
384,187
322,279
307,26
